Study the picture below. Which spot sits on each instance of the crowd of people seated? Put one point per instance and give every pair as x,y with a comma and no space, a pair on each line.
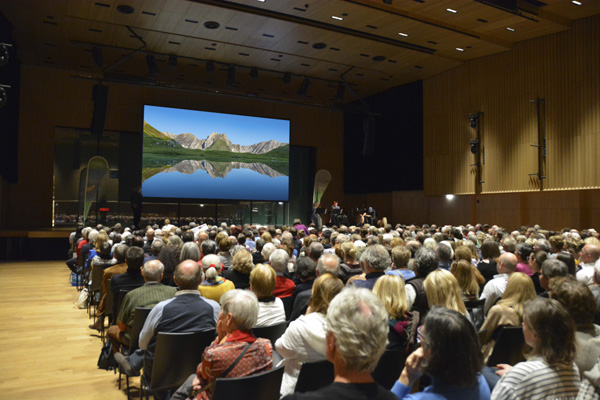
441,296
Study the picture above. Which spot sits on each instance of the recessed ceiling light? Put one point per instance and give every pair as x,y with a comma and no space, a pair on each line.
451,10
403,34
577,3
338,18
460,49
262,1
508,28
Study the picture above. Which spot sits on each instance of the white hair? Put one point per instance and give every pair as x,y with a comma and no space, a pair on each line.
267,250
279,260
243,306
359,323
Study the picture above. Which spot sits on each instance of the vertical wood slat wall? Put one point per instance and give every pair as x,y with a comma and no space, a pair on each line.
562,68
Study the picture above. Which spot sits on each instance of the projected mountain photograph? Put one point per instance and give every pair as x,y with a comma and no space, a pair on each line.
201,155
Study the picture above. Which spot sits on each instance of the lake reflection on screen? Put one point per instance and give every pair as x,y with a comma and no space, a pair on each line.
209,180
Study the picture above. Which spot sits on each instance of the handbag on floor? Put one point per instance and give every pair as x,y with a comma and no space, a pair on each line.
107,358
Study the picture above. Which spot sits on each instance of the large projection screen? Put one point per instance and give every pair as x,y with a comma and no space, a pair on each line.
191,154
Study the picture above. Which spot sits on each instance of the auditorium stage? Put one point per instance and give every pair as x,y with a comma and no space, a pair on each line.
34,244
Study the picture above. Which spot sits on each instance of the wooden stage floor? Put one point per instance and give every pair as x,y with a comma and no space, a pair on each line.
47,350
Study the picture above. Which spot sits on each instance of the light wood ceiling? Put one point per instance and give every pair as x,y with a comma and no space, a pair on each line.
373,47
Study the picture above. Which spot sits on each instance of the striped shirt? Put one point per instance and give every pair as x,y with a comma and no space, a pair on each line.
535,379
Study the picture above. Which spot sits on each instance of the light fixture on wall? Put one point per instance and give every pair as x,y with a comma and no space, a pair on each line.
474,146
449,197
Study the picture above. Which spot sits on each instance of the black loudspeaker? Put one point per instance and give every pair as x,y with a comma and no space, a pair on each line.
100,98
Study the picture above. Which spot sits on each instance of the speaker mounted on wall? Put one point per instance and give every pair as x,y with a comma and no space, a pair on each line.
100,98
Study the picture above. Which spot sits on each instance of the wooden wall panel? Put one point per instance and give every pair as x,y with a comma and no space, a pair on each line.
562,69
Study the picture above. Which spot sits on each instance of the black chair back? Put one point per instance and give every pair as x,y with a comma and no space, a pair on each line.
389,367
475,310
261,386
271,332
509,347
287,306
139,318
177,356
315,375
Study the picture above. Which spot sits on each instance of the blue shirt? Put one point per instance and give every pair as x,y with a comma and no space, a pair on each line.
439,391
403,273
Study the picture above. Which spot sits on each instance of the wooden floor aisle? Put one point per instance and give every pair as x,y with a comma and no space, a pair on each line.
47,350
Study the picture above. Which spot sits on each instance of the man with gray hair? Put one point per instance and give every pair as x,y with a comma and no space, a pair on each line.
284,287
147,296
551,268
327,264
494,289
357,328
588,257
155,248
373,261
315,251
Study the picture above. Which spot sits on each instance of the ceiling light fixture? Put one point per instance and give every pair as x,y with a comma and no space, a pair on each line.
287,78
254,73
577,3
460,49
97,56
210,67
451,10
304,87
231,75
341,90
403,34
151,63
338,18
449,197
508,28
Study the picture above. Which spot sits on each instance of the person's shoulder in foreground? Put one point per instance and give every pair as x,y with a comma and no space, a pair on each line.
346,391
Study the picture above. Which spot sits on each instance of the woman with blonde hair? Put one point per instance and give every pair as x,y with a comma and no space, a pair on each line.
463,272
402,324
239,273
270,308
350,266
508,311
441,288
465,253
304,339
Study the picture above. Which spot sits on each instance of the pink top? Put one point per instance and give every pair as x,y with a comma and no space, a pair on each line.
524,268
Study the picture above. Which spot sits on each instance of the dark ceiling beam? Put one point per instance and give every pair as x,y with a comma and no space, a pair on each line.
312,23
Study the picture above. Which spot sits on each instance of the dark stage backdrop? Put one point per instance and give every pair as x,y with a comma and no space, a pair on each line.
384,153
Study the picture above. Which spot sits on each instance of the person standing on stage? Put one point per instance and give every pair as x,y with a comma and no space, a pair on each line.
136,201
335,213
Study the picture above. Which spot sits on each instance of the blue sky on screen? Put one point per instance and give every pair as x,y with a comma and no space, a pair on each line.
239,129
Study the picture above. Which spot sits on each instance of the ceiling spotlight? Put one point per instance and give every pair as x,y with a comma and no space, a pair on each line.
210,67
577,3
231,75
304,87
3,95
473,119
460,49
403,34
172,61
151,62
449,197
287,78
4,53
450,10
341,90
254,73
508,28
97,56
474,146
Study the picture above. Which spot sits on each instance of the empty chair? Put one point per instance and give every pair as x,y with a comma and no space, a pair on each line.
271,332
315,375
262,386
509,347
177,356
389,367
